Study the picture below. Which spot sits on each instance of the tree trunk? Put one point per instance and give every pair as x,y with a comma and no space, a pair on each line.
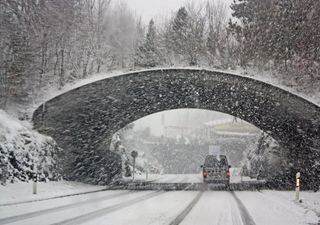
62,71
85,65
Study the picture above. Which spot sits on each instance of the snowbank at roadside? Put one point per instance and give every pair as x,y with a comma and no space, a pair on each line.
277,207
24,152
22,191
309,200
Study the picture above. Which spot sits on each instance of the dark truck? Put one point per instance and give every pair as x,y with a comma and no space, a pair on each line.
216,170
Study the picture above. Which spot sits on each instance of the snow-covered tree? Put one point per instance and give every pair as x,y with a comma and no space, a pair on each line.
26,154
147,54
216,44
280,35
185,34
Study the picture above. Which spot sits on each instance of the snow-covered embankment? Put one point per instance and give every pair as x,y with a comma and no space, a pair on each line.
24,152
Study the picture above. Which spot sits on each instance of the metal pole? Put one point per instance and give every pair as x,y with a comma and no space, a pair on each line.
297,186
35,185
34,188
134,165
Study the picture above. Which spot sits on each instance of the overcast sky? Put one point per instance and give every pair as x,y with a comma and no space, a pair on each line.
149,9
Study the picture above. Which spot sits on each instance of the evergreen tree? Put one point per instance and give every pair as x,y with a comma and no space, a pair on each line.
147,54
176,37
217,37
278,31
185,36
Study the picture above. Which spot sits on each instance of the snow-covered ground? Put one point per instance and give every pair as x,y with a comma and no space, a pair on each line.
309,200
273,207
21,192
154,207
214,208
183,178
161,209
143,178
179,178
119,207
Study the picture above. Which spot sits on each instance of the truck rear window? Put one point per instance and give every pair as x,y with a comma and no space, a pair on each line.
215,161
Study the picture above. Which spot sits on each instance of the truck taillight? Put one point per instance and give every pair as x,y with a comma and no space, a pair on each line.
205,173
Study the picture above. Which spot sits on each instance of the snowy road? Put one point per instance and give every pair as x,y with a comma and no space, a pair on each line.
190,178
163,208
179,178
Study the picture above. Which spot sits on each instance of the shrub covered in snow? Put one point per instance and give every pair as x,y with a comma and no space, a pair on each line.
268,160
24,152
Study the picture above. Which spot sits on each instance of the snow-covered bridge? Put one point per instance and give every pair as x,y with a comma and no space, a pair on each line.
85,118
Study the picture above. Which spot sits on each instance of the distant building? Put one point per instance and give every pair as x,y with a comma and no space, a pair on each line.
229,129
215,131
184,131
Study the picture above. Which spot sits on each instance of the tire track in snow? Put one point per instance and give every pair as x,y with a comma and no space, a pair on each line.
245,215
58,208
235,212
101,212
185,212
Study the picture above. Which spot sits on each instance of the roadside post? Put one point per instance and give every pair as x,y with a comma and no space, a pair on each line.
297,186
35,180
241,175
134,155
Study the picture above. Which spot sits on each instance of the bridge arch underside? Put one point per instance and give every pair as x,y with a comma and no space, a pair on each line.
84,119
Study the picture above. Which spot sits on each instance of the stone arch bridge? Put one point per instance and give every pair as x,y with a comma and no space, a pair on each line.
84,119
